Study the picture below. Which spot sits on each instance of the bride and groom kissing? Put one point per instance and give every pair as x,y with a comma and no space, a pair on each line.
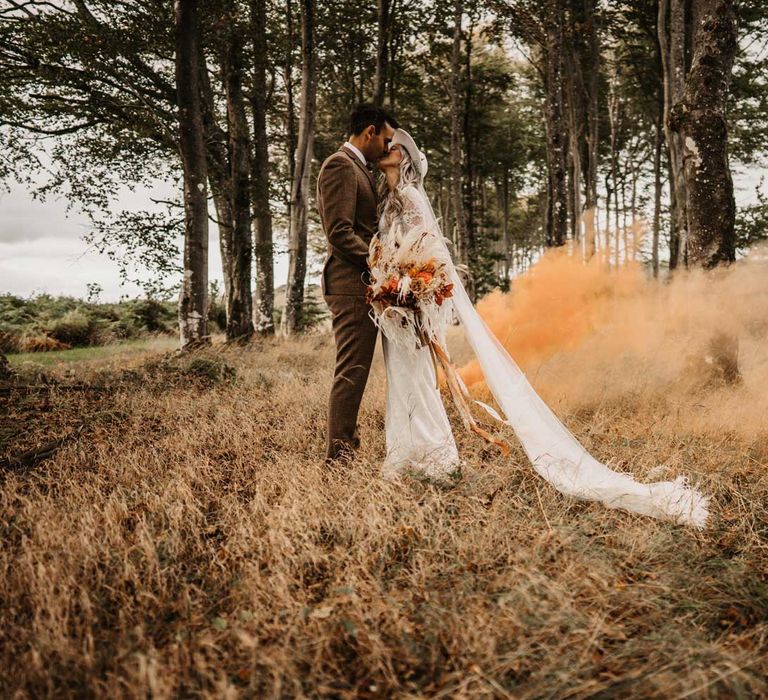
389,268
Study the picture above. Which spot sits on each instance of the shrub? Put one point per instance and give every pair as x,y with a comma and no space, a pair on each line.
152,315
9,340
39,342
75,327
209,370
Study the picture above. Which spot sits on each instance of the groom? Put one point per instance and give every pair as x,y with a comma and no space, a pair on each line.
346,201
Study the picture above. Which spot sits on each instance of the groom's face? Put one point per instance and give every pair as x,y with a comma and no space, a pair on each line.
377,145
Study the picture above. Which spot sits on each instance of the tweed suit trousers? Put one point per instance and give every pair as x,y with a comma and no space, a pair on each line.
355,334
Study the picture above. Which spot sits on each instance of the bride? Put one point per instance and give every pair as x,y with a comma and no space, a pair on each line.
418,435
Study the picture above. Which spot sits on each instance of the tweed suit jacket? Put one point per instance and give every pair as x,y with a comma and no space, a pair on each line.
346,200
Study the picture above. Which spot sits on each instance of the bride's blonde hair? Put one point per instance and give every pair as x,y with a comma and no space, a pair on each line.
391,201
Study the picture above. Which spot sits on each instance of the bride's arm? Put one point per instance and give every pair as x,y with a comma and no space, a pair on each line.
417,214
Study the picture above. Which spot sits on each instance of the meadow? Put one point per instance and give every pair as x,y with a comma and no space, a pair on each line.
182,538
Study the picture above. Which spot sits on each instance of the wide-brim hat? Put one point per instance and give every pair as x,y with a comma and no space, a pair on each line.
404,139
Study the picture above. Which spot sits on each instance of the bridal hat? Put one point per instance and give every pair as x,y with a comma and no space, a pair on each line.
404,139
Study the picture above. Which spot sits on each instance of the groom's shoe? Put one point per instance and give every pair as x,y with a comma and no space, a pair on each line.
341,454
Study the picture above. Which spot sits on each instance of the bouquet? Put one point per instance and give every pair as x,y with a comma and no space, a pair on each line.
409,283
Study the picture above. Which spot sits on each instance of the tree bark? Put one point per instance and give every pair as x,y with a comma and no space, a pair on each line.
297,242
671,33
505,221
613,118
469,169
193,299
264,295
456,170
593,128
658,144
219,176
575,135
382,52
699,120
557,205
290,111
238,300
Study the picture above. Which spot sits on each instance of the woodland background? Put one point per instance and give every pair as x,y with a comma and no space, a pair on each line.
610,128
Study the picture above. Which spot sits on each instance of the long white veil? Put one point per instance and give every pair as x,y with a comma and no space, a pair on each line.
554,452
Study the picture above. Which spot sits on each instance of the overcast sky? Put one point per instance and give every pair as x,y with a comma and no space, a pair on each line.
42,250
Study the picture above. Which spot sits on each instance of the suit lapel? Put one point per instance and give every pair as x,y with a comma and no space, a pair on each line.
368,173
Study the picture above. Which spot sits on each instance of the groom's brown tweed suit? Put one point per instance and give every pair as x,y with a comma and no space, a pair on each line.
346,200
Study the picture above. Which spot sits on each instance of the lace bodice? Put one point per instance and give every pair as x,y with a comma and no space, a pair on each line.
412,216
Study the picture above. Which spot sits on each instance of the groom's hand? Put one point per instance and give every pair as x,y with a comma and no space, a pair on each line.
338,189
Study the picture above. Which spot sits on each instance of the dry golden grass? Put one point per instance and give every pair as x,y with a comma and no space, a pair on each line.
187,542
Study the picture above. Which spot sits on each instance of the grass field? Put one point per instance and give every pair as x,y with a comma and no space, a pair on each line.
96,353
184,540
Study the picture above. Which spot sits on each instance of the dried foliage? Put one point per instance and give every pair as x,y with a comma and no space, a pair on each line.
186,541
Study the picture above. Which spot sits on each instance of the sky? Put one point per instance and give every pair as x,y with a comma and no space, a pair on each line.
42,247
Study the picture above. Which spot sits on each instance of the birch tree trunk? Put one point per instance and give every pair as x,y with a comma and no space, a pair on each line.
700,122
238,299
264,296
193,299
382,52
297,243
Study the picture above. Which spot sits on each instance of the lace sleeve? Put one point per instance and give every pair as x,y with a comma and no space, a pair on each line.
413,215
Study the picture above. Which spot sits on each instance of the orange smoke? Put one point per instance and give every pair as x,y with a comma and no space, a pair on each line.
584,333
554,307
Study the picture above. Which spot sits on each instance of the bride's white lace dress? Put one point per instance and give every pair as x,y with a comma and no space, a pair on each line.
419,437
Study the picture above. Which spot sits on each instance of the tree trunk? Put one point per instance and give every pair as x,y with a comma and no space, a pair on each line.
264,297
238,300
297,242
505,221
658,143
575,138
382,53
220,188
608,195
219,176
699,119
557,219
613,108
395,41
593,120
193,299
469,170
456,170
671,33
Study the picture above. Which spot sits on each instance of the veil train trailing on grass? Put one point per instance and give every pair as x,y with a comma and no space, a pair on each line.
554,452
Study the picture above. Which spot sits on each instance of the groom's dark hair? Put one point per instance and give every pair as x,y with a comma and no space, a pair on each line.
366,114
